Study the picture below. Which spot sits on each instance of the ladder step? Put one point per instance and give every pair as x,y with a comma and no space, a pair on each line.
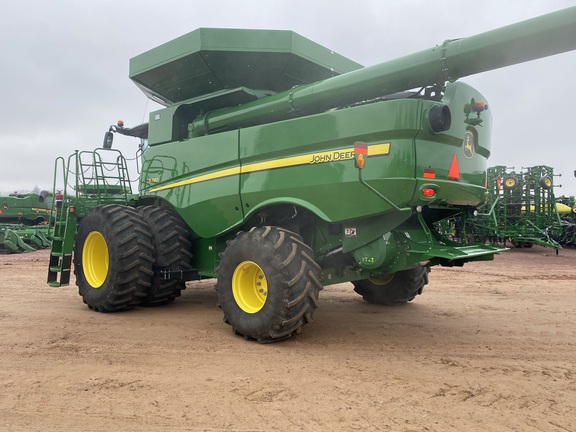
60,265
65,277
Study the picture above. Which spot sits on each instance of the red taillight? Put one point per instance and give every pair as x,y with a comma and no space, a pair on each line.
360,148
428,192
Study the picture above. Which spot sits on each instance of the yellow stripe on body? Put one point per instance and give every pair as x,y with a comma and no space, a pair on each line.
215,175
306,159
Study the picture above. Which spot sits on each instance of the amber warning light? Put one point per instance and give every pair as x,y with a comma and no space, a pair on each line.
429,173
360,153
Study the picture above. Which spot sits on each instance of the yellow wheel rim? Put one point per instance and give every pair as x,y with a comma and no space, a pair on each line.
510,182
383,280
249,287
95,259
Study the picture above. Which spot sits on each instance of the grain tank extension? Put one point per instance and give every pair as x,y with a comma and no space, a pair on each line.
278,167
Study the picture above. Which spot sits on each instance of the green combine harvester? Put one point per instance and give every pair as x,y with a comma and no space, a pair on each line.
24,221
279,167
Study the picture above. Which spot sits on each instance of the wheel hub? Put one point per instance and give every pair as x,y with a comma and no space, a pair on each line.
382,280
249,287
95,259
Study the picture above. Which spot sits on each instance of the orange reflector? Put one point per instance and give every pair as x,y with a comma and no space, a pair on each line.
454,171
360,151
429,173
71,209
428,192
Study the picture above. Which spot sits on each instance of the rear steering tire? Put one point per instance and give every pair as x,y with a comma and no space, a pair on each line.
398,288
268,284
113,256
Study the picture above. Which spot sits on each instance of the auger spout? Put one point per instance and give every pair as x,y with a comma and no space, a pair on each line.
535,38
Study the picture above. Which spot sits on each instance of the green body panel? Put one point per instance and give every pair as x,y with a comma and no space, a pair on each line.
309,162
207,168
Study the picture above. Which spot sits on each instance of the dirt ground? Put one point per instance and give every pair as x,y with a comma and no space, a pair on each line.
487,347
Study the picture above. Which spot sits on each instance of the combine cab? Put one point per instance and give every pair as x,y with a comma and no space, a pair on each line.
278,167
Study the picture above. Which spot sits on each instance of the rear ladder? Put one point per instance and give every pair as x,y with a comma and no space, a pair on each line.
90,178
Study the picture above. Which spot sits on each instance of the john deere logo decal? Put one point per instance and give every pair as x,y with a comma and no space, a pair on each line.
468,146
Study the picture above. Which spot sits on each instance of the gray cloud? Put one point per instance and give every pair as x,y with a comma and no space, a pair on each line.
64,69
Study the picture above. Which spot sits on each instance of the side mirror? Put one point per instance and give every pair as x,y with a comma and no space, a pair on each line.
108,139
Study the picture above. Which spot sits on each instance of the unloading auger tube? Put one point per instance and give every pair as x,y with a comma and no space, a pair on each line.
535,38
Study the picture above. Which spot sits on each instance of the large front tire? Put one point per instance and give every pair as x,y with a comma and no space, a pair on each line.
172,251
268,284
398,288
113,257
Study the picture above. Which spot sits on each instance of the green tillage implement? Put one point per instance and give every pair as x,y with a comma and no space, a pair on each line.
521,208
566,207
23,238
280,167
24,221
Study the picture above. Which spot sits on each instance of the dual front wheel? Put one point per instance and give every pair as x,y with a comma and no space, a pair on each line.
116,251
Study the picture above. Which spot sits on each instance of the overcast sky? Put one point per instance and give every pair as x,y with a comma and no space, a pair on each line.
64,69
